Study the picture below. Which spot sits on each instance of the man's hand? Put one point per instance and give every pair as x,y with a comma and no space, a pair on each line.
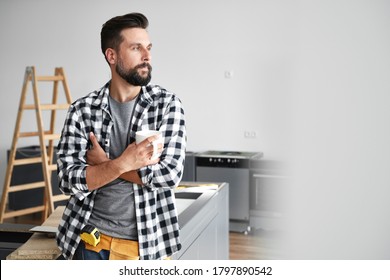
102,170
139,155
96,154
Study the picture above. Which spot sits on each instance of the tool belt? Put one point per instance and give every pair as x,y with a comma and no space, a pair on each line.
120,249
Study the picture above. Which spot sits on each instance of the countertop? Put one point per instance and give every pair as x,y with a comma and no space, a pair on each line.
40,246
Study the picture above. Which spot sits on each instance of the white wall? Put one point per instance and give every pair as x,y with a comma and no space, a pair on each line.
341,152
311,78
195,43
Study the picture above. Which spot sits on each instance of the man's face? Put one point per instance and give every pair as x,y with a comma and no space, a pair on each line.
133,61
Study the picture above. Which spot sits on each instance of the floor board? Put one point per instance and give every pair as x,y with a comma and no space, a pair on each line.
258,245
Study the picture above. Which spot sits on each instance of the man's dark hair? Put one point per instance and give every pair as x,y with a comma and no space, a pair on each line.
111,31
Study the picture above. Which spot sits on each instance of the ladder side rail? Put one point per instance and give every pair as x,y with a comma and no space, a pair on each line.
65,85
53,119
42,141
12,154
50,148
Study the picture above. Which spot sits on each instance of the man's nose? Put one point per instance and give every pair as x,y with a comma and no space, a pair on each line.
146,56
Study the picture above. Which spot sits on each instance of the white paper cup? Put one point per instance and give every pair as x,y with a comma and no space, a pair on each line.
143,134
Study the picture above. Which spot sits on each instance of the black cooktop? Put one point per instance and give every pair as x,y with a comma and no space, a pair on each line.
230,154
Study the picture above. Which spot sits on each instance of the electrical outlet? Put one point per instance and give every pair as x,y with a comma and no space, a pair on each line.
228,74
250,134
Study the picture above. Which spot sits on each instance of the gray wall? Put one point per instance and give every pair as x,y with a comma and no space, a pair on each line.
310,79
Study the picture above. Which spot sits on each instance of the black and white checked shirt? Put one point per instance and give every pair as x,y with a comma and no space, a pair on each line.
157,223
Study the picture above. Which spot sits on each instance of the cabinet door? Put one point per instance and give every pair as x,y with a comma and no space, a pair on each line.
268,193
212,241
205,246
208,243
192,252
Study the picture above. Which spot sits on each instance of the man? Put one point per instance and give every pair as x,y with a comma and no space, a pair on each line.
113,184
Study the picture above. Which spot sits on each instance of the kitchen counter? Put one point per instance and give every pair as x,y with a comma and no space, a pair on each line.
202,214
40,246
12,236
204,223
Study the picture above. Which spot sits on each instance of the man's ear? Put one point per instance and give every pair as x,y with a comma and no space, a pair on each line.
110,55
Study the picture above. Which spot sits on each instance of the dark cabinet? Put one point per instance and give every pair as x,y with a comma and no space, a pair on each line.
30,173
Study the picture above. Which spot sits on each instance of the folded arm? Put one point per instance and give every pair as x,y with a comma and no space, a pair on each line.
134,157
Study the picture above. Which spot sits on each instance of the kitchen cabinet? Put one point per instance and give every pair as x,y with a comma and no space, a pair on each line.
206,235
268,189
30,173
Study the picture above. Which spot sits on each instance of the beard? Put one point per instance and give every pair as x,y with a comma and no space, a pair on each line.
132,76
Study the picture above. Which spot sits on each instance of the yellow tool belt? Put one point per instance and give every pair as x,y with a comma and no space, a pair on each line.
120,249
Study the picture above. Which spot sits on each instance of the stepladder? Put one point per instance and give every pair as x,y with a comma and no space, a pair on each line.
45,107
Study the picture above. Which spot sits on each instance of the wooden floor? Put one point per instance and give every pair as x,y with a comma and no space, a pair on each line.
257,245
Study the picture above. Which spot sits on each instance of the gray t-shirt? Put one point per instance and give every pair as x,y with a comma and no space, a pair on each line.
114,209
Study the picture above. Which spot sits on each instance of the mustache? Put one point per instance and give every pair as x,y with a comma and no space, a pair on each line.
142,65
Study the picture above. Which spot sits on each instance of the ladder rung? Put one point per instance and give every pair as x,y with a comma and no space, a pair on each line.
52,136
49,78
30,134
47,107
59,197
24,211
27,160
52,167
29,186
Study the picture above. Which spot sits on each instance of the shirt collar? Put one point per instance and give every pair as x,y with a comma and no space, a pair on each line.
146,93
102,100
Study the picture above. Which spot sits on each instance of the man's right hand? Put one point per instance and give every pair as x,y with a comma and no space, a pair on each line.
139,155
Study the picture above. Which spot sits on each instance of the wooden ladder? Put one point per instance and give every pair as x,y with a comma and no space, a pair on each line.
46,141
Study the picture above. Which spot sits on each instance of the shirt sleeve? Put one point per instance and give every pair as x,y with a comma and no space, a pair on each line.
169,171
71,156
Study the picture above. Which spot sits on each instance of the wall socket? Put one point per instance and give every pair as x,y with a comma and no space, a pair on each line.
229,74
250,134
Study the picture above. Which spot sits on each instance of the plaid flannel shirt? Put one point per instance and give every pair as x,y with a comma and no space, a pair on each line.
156,215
